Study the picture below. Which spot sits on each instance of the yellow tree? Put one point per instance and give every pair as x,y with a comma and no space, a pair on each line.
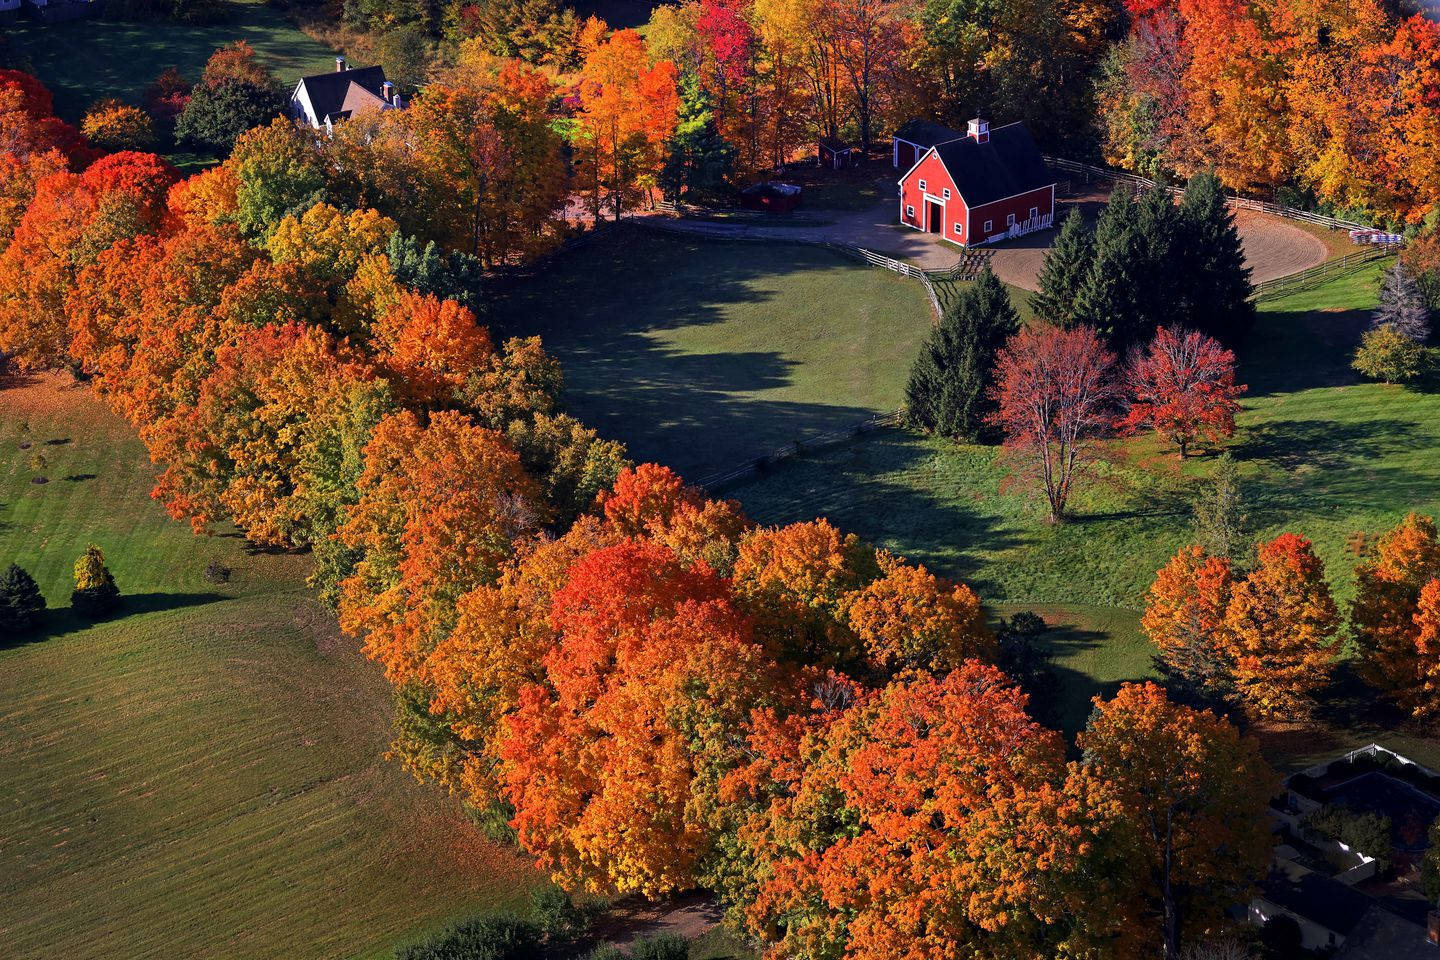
628,109
1280,629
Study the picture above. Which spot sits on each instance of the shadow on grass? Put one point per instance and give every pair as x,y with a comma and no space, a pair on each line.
1326,444
1301,350
61,621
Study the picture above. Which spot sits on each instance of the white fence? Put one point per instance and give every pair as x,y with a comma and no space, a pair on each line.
1242,203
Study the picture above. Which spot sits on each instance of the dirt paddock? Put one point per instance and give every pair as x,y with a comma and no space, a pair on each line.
1274,247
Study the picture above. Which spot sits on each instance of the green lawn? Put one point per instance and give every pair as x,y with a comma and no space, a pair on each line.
1319,451
203,775
703,354
87,60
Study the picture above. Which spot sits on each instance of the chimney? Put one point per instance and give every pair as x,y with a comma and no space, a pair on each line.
339,64
395,101
978,130
387,91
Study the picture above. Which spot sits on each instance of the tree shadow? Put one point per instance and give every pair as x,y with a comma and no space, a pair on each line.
80,477
57,442
1323,444
1297,350
60,621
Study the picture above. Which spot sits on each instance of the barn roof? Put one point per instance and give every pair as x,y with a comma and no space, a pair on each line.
926,133
345,90
1008,165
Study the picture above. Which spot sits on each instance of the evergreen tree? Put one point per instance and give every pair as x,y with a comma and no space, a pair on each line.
1064,271
21,603
446,274
95,594
218,113
1108,299
1214,282
700,158
1160,236
1218,513
1402,305
949,388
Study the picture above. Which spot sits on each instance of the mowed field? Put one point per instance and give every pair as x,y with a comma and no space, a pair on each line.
703,354
201,776
1319,452
85,60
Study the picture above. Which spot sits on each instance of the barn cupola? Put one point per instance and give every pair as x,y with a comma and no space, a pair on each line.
978,130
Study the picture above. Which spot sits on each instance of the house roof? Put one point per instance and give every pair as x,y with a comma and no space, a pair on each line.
1319,899
926,133
345,90
1007,165
1381,935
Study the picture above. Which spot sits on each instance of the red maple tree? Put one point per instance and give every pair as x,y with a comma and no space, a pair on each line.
1184,388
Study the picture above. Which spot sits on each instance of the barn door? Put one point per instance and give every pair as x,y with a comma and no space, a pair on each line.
935,222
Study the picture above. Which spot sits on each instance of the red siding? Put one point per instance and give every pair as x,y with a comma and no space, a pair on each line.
1041,200
937,181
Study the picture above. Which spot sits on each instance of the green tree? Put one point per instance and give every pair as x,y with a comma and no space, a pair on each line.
1387,355
484,938
949,388
21,603
700,158
218,113
95,594
279,173
1065,268
1108,298
1215,282
1160,238
447,275
1218,513
406,55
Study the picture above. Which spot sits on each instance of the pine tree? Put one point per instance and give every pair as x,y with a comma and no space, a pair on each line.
1214,282
1108,298
700,158
1218,513
95,594
21,603
1402,305
1064,271
1159,235
949,388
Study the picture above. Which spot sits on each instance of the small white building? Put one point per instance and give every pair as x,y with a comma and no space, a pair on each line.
325,98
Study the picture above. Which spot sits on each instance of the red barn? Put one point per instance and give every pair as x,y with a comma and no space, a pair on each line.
984,186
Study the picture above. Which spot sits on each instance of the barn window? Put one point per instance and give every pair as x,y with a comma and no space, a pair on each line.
946,192
988,225
1034,212
1009,219
922,184
958,231
909,210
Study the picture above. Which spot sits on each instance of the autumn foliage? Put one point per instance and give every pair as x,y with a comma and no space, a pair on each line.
1183,387
1391,625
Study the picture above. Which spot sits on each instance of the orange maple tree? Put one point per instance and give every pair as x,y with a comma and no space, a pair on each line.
1383,614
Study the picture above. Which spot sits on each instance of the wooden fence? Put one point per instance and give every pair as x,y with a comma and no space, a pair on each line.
1242,203
905,270
1316,274
756,466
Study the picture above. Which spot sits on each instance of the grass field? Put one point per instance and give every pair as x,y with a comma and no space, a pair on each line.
1319,452
703,354
203,775
87,60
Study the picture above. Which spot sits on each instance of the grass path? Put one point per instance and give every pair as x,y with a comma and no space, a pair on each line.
703,353
202,776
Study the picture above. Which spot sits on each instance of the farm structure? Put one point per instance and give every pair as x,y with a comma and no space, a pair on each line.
984,186
325,98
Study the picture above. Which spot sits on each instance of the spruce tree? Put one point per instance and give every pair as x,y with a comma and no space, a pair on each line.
1402,306
1064,271
949,388
1108,298
95,594
1215,282
1159,235
700,158
21,603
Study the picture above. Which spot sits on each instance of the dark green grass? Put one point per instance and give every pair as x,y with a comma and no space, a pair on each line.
704,354
203,775
88,60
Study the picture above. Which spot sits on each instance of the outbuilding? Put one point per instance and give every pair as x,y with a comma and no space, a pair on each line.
979,187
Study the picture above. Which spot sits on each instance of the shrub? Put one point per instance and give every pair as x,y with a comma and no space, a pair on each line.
482,938
111,125
1367,833
607,952
557,915
1389,356
217,572
662,946
95,594
21,603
